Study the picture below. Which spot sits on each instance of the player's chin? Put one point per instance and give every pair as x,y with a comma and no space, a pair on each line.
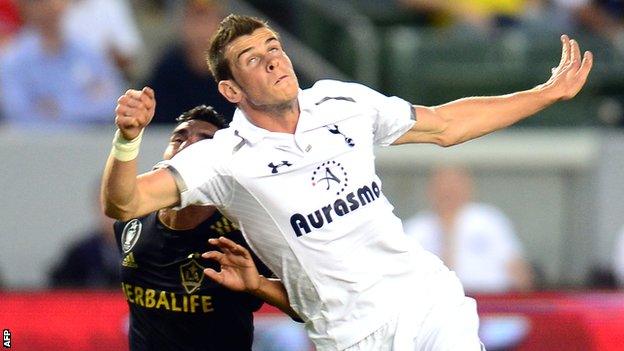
289,92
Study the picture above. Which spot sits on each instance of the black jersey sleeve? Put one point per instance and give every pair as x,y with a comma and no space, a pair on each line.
118,228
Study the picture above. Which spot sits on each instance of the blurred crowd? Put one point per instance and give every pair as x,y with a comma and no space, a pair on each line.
604,17
64,63
60,64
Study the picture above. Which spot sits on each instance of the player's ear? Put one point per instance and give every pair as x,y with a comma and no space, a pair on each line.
230,90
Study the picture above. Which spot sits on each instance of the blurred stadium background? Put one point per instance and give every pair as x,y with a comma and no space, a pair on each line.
559,176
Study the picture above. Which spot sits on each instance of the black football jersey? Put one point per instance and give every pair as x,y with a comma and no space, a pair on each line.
173,305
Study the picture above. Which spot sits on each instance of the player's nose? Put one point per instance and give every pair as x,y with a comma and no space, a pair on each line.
272,64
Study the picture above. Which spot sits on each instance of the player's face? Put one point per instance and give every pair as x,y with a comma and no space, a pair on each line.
188,133
262,70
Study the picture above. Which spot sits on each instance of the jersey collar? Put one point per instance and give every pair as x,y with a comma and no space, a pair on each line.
253,134
245,129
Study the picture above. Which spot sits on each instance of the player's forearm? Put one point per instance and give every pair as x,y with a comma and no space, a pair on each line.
472,117
119,188
273,292
119,182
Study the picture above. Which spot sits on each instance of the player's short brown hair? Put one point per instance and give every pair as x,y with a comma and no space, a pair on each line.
231,28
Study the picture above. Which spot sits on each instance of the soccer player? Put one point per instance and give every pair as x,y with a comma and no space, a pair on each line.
295,171
172,306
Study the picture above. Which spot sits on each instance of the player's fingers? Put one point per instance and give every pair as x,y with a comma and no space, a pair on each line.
126,122
121,110
147,100
239,250
214,275
229,247
214,255
126,111
586,66
149,92
227,241
130,112
565,50
222,242
133,93
129,92
122,99
129,101
575,54
233,247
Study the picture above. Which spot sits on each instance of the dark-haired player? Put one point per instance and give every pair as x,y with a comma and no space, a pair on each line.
173,306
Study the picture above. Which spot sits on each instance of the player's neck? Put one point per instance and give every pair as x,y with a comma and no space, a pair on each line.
187,218
279,118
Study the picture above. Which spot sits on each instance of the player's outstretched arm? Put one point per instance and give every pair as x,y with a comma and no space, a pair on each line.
468,118
239,273
124,195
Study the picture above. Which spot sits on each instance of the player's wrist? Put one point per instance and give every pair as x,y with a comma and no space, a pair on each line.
547,93
124,149
257,289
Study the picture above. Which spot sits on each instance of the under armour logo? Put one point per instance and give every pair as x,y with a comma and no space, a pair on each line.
274,167
335,130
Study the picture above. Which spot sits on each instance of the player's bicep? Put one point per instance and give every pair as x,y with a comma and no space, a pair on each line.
429,127
157,189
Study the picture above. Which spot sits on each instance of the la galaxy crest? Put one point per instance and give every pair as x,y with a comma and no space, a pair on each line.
130,235
192,274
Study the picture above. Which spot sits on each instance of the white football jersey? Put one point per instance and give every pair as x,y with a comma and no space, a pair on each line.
311,206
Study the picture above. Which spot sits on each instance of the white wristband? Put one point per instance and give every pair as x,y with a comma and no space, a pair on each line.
126,150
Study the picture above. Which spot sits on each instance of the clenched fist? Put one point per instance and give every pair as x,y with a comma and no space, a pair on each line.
135,109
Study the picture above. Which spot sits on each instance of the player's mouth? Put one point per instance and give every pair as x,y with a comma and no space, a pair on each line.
285,76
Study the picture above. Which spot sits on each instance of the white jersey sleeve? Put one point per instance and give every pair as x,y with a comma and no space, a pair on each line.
395,116
201,175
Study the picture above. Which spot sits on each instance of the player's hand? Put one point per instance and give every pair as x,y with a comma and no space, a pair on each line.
134,111
568,78
238,270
